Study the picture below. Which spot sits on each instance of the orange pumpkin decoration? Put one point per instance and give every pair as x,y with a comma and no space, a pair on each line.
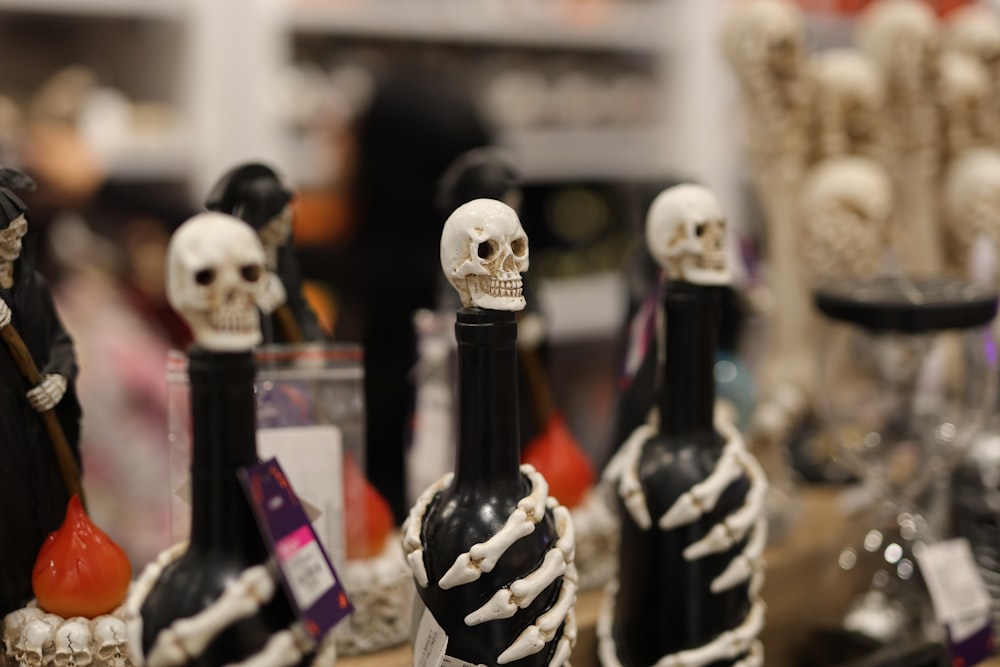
558,456
368,519
80,571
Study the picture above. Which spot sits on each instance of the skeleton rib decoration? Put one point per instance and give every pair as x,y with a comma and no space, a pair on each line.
693,532
491,552
217,601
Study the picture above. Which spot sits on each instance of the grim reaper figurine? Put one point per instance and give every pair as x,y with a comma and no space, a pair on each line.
38,404
254,193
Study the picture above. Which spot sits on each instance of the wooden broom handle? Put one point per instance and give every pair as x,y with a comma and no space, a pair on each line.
68,468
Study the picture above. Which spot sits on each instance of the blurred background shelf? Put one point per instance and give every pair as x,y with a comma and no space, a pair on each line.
561,154
132,9
635,26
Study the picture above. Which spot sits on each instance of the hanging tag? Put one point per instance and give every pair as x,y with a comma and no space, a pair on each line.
319,598
960,598
430,642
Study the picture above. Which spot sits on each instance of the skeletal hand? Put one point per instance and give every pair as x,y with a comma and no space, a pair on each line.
273,296
48,393
4,314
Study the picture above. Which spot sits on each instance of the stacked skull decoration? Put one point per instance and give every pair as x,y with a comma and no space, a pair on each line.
691,494
217,600
491,552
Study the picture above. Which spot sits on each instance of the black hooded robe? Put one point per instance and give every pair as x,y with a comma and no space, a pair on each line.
33,496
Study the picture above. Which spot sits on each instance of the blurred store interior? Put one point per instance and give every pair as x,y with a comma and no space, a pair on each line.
125,112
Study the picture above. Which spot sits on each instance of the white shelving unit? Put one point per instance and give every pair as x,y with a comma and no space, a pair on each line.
231,51
139,9
629,27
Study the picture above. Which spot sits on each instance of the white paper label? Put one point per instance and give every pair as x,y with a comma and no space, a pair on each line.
311,458
430,642
956,588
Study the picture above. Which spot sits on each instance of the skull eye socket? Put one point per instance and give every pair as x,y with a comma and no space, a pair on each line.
205,276
251,273
486,249
519,246
700,229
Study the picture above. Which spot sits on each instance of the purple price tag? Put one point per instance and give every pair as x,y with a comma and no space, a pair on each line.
307,574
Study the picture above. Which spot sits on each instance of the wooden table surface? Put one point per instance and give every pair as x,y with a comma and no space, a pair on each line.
805,588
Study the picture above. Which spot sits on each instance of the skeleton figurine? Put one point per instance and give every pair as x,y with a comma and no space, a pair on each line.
39,412
974,30
690,493
847,206
764,42
902,38
966,103
849,101
254,193
216,600
491,552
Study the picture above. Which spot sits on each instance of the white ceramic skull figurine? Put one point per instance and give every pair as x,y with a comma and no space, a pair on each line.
686,234
73,644
484,251
849,95
13,623
36,645
215,277
110,643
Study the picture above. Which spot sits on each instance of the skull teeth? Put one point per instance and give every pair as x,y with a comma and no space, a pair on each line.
229,319
505,288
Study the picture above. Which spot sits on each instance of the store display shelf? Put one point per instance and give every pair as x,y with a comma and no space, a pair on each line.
139,163
590,153
629,27
126,9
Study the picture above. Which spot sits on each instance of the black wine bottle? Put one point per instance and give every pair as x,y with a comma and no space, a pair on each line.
664,581
486,547
226,546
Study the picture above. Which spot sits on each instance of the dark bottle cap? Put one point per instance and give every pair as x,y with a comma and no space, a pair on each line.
908,305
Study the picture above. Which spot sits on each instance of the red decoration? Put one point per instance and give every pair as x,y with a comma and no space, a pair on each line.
368,517
558,456
80,571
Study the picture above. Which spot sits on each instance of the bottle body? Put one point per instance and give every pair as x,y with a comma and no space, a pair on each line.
488,531
680,484
225,566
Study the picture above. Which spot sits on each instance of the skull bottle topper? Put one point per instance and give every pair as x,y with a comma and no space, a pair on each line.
491,552
254,193
216,600
690,493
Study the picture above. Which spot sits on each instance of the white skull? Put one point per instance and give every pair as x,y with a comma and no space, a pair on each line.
686,234
13,626
11,239
965,92
215,277
73,644
763,31
847,205
972,202
37,641
110,646
484,251
902,36
850,94
975,30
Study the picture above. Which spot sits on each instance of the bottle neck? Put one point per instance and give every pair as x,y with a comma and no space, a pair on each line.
224,439
488,426
687,397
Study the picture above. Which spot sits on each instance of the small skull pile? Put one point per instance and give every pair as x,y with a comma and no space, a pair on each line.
32,638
